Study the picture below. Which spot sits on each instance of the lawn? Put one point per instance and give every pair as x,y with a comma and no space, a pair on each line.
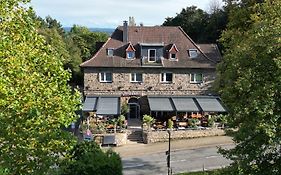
214,172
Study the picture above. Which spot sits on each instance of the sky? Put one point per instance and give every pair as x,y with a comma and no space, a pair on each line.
111,13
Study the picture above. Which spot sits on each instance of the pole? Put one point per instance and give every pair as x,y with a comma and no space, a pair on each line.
169,154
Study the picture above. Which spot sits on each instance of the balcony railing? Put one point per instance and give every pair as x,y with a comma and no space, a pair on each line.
146,62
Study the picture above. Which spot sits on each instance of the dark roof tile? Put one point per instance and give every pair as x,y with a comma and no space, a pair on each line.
207,58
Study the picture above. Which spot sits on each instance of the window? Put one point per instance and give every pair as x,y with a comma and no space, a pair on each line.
196,78
193,53
166,77
152,55
136,77
110,52
105,77
130,54
173,56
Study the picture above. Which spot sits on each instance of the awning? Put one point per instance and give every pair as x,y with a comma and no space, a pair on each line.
90,104
210,104
160,104
185,104
108,106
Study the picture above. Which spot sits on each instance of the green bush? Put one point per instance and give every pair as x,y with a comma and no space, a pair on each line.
120,121
170,124
86,158
192,122
4,171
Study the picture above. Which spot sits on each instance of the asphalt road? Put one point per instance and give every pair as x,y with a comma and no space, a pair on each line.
183,160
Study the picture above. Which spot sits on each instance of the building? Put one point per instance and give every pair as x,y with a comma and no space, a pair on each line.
155,70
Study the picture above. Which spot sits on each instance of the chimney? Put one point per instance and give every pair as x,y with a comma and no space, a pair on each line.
125,31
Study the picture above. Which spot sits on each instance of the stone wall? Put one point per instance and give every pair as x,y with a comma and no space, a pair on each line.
151,84
120,138
162,136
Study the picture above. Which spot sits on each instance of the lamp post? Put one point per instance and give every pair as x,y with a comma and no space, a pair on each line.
168,153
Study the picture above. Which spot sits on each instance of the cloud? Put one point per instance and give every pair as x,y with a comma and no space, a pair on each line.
111,13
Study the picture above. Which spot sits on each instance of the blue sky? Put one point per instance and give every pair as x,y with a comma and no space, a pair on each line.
111,13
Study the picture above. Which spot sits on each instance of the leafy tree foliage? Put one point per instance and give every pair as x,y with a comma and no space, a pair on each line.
35,100
74,47
87,159
86,40
198,24
250,84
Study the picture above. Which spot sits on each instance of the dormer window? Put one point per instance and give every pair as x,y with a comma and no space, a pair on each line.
130,55
193,53
173,52
173,56
110,52
152,55
130,52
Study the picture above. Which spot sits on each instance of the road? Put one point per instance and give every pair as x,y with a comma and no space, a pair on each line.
183,160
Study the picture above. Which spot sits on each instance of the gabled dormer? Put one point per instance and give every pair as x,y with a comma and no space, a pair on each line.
172,53
130,52
193,53
152,53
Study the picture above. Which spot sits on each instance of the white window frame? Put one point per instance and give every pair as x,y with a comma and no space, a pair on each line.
193,53
148,55
196,81
175,58
108,52
103,77
133,78
163,77
127,54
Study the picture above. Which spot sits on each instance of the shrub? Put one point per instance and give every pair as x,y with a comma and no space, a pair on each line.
170,124
86,158
120,121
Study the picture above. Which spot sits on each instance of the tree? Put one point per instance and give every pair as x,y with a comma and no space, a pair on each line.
191,19
250,84
86,40
56,40
35,101
87,158
199,25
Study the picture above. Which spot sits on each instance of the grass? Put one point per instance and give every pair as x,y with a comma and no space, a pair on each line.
223,171
213,172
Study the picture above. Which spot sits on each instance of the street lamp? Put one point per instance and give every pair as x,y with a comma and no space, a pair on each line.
168,153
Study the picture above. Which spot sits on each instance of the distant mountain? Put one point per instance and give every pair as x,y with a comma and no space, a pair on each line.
109,31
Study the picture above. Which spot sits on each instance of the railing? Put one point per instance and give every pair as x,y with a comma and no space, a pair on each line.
146,62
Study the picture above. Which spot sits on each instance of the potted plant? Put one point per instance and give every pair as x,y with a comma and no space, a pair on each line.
148,120
120,121
170,124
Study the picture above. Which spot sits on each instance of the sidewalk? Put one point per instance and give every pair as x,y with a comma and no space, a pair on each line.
143,149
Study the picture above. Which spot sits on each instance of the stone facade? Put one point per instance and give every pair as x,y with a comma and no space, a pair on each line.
151,84
163,136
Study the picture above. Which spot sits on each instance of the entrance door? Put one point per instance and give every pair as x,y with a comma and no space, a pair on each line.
134,110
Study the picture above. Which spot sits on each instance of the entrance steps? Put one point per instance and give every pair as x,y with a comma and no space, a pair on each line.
134,136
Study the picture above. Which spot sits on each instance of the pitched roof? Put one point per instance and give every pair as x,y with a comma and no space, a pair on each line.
165,35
